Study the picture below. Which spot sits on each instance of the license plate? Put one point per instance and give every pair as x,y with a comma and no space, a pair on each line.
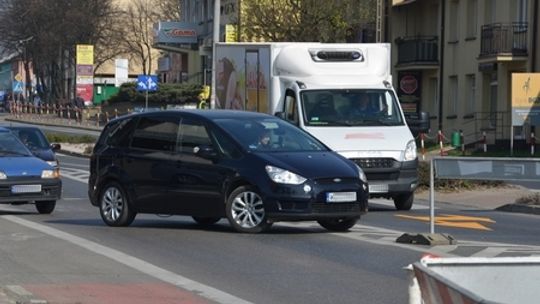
378,188
26,189
339,197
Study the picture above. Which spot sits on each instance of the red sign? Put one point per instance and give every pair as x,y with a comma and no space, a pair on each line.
86,91
408,84
180,33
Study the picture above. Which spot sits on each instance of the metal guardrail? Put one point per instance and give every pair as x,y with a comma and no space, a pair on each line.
479,168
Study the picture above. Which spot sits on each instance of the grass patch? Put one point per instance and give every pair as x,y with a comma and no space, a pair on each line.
531,199
72,139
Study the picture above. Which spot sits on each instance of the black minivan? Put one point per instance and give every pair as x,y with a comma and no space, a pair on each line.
252,168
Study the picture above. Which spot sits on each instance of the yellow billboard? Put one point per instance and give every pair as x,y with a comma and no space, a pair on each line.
85,54
525,98
230,33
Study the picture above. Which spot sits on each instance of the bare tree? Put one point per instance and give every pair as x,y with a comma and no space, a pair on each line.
303,20
138,20
168,10
45,34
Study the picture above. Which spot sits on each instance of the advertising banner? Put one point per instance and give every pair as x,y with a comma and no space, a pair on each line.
525,99
85,72
175,32
85,54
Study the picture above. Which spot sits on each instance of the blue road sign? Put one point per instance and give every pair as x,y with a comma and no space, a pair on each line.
18,87
147,83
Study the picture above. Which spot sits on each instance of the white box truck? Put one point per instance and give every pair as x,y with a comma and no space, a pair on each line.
340,93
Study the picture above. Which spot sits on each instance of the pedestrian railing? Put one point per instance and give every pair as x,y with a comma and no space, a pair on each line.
479,168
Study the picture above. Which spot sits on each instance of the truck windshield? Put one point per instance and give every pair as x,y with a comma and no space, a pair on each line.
350,108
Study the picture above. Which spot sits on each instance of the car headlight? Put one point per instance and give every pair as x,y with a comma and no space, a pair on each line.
282,176
50,174
52,163
410,150
3,175
361,174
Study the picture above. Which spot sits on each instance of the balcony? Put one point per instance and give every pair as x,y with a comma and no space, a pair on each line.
418,51
504,39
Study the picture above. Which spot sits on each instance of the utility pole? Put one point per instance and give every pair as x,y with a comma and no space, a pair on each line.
217,11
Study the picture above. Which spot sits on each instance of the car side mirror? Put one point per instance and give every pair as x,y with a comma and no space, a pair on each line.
205,151
418,123
55,147
281,115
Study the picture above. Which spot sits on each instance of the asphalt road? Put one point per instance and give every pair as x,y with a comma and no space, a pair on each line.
72,255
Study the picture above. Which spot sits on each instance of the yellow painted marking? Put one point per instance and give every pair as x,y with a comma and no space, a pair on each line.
457,221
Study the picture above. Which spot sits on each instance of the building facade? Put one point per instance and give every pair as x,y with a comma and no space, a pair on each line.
455,59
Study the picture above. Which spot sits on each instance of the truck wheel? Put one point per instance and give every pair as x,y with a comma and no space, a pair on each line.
404,201
45,207
339,224
114,207
205,221
245,210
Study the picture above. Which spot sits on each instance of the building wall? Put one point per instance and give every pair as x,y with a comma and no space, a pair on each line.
487,104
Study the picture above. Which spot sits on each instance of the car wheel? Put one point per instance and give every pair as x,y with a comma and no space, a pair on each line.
404,201
114,206
245,210
338,224
45,207
206,220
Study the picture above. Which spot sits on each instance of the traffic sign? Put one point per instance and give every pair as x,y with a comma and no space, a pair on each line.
18,77
147,83
18,87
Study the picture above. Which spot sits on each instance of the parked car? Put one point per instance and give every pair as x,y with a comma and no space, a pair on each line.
252,168
25,178
37,142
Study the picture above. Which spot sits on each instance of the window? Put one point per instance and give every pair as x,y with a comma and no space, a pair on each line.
225,145
472,19
471,94
453,94
454,23
490,11
291,111
156,133
192,134
120,133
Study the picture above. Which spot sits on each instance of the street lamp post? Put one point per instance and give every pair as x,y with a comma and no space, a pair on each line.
217,11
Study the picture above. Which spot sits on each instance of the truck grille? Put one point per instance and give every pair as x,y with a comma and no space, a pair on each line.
372,163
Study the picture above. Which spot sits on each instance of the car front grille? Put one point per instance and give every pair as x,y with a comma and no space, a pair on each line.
335,207
374,163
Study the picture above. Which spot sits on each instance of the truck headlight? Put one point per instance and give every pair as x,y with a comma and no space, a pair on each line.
50,174
361,174
282,176
410,150
3,175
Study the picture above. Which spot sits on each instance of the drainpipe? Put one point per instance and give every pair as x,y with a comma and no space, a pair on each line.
441,64
534,36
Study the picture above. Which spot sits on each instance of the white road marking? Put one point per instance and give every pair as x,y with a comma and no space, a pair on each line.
133,262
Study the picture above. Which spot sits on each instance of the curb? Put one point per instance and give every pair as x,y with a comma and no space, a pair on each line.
17,294
520,208
72,153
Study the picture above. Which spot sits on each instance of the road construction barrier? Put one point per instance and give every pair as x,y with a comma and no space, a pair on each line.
475,280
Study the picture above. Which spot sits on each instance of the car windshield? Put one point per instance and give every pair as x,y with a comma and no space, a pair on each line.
10,145
33,138
269,134
350,108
